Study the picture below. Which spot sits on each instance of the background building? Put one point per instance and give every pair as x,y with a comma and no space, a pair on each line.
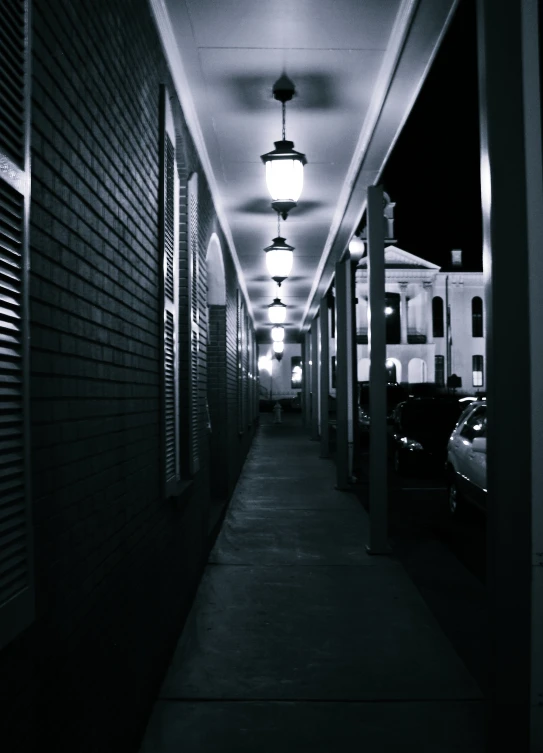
435,321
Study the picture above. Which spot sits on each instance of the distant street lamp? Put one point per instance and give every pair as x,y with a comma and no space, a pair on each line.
356,248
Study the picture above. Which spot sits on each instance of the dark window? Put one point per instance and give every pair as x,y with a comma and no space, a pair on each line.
478,375
392,318
440,370
477,317
437,316
333,372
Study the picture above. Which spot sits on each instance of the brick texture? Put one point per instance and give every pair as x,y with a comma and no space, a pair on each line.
116,565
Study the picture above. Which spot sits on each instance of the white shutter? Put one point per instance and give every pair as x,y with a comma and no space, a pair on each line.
16,546
194,276
170,248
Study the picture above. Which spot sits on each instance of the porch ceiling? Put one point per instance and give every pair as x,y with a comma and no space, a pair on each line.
357,66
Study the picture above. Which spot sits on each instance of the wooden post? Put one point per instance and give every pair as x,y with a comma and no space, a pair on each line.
325,376
306,351
378,492
512,204
315,379
343,375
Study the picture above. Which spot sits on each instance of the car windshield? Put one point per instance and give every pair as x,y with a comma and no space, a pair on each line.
440,416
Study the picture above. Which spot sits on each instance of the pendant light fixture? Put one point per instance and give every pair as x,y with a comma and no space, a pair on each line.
278,334
277,311
278,348
279,257
284,165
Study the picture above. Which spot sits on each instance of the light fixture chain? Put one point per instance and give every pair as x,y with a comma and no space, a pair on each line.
284,116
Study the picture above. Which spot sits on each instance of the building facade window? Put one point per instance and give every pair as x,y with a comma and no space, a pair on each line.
478,371
477,316
440,371
437,317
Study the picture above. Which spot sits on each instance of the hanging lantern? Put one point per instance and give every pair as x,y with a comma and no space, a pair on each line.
279,259
278,347
284,165
278,334
284,176
277,311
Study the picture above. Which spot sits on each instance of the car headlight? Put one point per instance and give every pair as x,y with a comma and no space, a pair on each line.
411,444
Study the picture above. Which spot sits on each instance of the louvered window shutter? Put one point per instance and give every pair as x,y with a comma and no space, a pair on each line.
170,247
194,277
240,362
246,369
16,545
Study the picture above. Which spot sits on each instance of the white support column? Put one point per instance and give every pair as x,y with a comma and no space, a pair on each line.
378,492
306,352
344,389
428,287
534,200
512,204
403,312
315,379
324,376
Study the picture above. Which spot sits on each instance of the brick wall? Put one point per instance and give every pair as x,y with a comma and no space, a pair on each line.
116,565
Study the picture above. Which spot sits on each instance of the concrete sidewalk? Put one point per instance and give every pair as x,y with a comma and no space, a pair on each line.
298,640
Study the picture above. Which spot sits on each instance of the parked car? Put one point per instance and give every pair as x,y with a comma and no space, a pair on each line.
466,460
395,394
419,432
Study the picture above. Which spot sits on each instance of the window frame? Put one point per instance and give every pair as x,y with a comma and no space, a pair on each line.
438,316
475,370
477,318
441,370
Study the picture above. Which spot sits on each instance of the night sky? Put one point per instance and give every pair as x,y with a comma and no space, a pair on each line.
433,172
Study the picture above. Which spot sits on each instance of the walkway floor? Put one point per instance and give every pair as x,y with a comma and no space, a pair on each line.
298,640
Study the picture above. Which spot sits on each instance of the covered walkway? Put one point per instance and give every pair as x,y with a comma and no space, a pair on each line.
298,640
